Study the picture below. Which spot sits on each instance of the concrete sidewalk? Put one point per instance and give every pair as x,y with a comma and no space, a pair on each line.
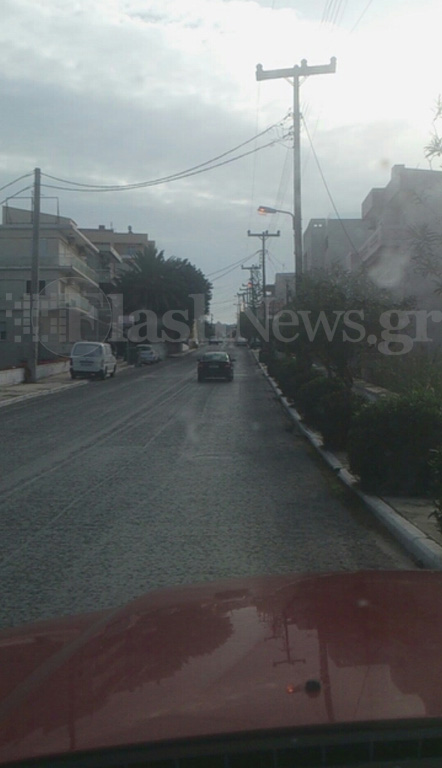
16,393
407,519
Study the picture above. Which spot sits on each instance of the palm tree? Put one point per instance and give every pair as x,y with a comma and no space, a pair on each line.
152,282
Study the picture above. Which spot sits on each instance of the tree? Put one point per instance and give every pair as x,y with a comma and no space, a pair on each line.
152,282
424,243
426,249
338,313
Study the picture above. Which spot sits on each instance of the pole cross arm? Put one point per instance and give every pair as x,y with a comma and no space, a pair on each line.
297,71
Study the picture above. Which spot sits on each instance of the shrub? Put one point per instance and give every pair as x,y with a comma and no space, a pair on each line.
311,396
390,441
264,356
291,375
435,465
335,415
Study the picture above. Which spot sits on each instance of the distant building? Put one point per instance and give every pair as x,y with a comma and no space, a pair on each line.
281,292
331,242
126,244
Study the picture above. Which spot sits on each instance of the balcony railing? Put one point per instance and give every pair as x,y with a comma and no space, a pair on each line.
72,263
57,301
383,237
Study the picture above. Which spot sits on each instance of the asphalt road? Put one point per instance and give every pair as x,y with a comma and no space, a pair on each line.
150,479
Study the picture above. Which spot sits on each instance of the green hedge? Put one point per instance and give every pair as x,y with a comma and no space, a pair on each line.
290,374
311,395
335,415
390,443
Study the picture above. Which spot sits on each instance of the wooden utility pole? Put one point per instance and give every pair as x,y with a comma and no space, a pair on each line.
35,299
263,237
296,72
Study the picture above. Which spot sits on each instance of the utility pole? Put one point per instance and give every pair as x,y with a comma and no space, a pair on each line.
35,298
296,72
238,314
252,284
263,237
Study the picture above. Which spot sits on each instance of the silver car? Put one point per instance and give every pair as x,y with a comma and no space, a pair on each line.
147,355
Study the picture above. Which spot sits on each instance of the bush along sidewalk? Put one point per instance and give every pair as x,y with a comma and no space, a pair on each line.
390,444
325,403
394,445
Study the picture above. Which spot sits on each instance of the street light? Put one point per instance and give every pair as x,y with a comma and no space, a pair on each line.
263,209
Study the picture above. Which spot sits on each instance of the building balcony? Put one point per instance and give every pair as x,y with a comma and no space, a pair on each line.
57,301
70,264
383,237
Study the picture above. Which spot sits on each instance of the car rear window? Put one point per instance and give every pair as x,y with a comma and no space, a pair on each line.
86,349
216,356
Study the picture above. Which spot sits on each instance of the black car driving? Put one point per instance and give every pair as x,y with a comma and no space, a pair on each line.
215,365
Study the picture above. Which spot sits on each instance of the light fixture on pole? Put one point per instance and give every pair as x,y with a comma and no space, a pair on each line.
263,209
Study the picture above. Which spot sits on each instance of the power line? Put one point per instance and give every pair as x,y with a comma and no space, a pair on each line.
10,197
179,174
327,187
361,16
232,268
25,176
156,182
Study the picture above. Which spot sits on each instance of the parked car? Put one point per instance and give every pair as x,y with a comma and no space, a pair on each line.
214,340
147,355
92,359
215,365
240,341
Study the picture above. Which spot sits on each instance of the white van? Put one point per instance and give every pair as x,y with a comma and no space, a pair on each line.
92,359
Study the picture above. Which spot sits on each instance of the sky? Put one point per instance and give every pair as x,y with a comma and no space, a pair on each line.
119,92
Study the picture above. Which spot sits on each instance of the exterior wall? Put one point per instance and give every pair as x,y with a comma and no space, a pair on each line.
412,199
328,242
17,375
124,243
69,287
315,244
284,290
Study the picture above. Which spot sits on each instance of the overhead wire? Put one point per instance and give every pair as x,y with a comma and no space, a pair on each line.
180,174
361,16
10,197
327,187
156,182
233,264
230,269
19,178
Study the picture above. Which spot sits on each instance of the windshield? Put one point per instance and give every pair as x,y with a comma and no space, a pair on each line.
230,210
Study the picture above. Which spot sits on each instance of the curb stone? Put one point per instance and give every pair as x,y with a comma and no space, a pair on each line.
424,549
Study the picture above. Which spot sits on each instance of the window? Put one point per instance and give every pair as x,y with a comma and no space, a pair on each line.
2,330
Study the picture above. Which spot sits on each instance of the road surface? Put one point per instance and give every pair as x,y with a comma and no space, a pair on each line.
110,489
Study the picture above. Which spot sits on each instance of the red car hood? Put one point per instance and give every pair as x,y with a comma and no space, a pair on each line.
225,657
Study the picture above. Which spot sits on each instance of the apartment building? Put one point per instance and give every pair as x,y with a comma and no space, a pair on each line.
395,215
74,277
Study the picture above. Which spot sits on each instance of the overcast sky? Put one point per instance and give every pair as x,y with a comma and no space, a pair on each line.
125,91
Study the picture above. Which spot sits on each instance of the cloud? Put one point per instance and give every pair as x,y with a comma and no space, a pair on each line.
117,91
